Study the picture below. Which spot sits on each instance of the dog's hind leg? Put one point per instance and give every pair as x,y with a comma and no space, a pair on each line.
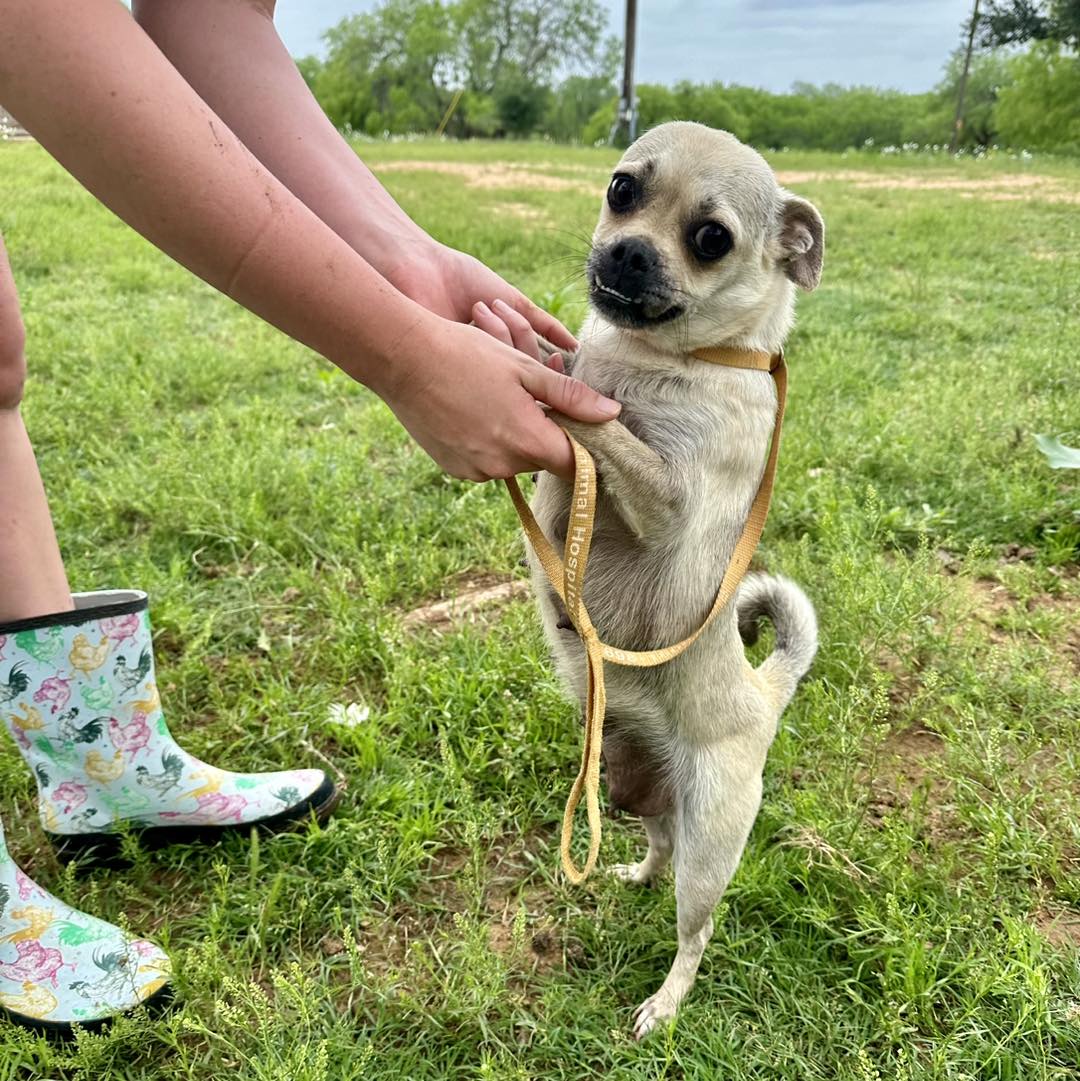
658,829
713,817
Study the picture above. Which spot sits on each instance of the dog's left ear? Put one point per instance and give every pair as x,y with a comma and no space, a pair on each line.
802,241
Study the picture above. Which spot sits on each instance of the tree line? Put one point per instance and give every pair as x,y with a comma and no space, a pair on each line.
518,68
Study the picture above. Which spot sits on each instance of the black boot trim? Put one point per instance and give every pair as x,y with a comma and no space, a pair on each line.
156,1004
106,849
76,616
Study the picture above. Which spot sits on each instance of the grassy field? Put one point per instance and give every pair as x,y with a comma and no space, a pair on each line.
909,904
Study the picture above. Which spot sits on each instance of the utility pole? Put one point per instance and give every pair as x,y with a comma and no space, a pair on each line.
958,123
626,117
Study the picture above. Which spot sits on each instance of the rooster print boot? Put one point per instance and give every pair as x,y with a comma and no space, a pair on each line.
77,693
60,967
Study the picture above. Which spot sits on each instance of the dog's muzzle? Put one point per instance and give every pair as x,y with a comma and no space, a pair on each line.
627,283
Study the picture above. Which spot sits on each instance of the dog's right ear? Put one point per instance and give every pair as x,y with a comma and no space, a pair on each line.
802,241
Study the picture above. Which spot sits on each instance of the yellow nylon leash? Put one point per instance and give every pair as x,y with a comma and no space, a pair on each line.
567,577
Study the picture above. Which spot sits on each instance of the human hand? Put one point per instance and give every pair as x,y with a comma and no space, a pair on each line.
513,329
475,404
451,284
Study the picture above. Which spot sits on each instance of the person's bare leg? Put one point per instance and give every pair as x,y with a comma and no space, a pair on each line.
32,578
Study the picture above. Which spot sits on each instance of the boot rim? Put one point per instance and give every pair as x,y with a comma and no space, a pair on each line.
87,607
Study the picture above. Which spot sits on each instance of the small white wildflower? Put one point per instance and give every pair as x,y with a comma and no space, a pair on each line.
350,716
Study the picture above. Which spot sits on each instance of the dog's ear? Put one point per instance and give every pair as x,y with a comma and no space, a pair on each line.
802,241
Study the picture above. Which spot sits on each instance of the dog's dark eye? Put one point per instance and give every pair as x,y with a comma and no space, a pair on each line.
710,241
622,192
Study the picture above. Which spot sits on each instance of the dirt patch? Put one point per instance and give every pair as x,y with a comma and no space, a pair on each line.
804,176
906,764
492,175
520,210
501,175
993,603
904,684
1067,646
474,599
1007,187
524,927
507,891
914,747
1060,928
545,944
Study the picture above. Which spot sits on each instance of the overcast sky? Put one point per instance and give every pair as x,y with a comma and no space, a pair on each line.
769,43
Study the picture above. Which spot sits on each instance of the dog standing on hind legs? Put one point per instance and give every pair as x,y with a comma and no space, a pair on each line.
698,248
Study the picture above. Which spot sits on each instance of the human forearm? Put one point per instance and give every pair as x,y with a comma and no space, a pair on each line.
230,52
100,96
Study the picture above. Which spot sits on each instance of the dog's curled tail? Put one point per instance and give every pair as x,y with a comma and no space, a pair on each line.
789,610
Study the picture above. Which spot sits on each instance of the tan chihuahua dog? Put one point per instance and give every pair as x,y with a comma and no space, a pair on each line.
697,245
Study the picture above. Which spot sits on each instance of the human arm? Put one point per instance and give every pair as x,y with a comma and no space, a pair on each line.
97,93
231,54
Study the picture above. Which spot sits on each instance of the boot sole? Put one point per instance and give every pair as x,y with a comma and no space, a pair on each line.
107,849
156,1004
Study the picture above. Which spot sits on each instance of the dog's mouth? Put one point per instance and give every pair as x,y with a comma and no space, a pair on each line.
646,310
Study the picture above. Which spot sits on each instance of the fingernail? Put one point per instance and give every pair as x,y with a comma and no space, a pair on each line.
609,408
480,307
501,305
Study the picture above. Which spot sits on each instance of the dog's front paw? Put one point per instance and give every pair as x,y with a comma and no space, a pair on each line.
652,1013
593,437
633,874
581,431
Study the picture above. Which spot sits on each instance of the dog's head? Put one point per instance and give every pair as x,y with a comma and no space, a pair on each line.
697,243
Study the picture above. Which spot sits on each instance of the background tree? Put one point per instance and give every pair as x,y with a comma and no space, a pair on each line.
574,101
529,40
1017,22
396,68
520,102
990,73
1040,108
547,67
309,68
387,70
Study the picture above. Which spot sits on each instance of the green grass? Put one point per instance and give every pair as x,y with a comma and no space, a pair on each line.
893,916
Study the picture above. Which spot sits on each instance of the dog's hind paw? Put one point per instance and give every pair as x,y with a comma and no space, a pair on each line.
652,1013
630,873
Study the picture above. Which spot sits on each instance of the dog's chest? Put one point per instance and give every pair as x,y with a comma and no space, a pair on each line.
644,591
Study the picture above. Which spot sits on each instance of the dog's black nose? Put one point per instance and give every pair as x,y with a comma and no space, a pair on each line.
631,263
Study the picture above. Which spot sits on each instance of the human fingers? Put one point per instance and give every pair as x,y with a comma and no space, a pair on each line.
570,396
521,331
487,321
544,323
555,362
548,447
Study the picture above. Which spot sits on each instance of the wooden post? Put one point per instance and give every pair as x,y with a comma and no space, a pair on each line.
958,122
626,117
